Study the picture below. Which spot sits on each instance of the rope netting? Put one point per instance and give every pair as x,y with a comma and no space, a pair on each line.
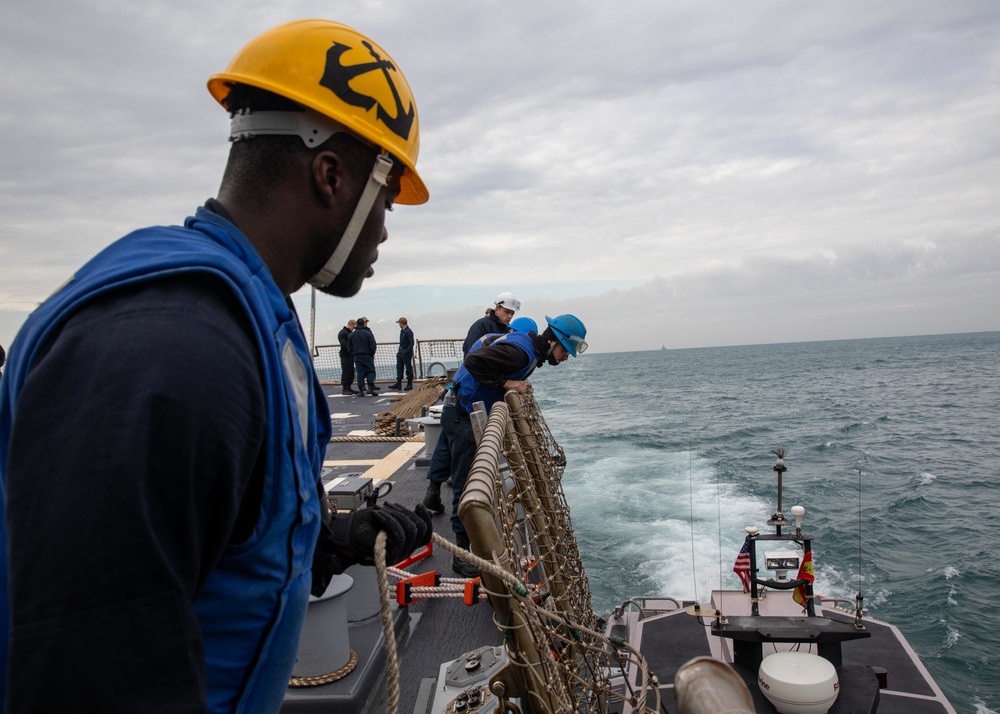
516,514
559,661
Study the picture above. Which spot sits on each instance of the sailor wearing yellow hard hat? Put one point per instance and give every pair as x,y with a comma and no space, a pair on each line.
176,575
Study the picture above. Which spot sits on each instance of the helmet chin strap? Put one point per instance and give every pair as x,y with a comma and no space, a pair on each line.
378,179
550,356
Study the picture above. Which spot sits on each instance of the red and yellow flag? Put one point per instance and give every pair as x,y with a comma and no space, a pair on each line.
805,573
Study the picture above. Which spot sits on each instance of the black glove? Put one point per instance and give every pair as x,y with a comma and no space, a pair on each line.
349,538
405,531
326,562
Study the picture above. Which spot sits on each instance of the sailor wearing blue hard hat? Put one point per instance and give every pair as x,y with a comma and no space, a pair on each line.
570,331
496,364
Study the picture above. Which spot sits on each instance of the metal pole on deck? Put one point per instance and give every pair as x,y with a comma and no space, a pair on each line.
312,324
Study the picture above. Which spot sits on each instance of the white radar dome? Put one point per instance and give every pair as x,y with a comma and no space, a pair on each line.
798,682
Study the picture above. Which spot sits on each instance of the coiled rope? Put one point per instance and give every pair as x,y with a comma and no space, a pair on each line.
326,678
410,406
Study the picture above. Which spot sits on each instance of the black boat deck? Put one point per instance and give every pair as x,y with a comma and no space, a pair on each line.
669,640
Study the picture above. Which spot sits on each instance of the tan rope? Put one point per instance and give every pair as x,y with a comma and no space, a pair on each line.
385,613
326,678
480,563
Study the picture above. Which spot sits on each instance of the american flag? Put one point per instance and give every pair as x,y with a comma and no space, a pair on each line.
742,565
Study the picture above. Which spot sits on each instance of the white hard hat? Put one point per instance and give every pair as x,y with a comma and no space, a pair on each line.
508,301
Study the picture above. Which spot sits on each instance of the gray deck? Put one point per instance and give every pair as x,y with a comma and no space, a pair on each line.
436,630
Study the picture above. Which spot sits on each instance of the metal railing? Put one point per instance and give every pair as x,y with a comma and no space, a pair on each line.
431,358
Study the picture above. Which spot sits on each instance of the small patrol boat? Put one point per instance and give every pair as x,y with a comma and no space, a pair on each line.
776,645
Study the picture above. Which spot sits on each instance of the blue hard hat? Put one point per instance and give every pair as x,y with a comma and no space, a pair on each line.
570,331
523,324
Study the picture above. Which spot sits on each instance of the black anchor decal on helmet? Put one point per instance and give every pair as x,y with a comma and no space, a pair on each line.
336,78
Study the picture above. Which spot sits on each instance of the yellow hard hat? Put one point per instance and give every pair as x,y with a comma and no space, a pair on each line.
340,73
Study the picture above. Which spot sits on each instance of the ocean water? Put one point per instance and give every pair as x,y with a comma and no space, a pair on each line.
893,448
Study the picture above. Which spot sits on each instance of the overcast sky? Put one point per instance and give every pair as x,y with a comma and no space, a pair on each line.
680,174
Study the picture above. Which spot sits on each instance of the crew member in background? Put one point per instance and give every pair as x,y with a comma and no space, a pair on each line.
404,355
495,321
160,544
490,369
346,358
518,324
363,346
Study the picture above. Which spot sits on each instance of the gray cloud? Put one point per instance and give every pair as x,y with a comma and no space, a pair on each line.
691,152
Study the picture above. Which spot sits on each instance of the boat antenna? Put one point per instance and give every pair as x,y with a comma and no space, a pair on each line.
718,518
719,615
694,569
778,519
859,598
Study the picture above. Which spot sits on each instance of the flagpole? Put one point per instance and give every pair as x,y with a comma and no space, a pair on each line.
778,519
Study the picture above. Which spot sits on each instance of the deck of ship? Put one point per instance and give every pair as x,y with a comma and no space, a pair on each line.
430,631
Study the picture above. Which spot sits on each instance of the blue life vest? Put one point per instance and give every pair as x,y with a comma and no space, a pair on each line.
252,605
470,391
